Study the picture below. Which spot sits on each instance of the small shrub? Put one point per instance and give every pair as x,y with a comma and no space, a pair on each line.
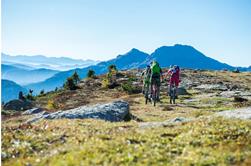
112,68
51,105
70,84
105,82
127,87
91,73
30,97
41,92
21,96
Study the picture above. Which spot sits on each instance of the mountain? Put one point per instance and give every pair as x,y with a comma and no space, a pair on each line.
18,65
10,90
183,55
130,60
25,76
53,63
186,57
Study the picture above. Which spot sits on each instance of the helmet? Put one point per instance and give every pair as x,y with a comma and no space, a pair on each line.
148,66
176,67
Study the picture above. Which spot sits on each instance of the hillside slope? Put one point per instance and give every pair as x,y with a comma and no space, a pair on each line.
10,90
207,140
25,76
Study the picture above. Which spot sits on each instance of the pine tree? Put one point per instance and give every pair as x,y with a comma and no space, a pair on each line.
70,84
75,78
91,73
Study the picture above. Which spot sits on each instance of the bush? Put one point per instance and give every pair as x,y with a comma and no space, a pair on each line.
30,97
41,92
51,105
70,84
76,78
105,82
91,73
112,68
127,87
21,96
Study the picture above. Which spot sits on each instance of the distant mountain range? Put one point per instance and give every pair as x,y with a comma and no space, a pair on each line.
40,61
10,90
182,55
25,75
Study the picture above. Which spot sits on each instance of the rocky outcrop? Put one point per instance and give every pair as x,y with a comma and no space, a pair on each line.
236,93
243,113
211,87
182,91
18,105
114,112
32,111
165,123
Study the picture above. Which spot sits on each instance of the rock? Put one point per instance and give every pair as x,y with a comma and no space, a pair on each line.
239,99
182,91
243,113
230,94
114,112
113,85
165,123
212,87
122,80
32,111
186,83
191,100
18,105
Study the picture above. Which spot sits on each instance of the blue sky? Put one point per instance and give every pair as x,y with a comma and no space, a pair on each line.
100,30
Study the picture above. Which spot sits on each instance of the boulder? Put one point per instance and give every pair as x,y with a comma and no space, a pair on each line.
239,99
236,93
18,105
182,91
170,122
212,87
242,113
32,111
113,112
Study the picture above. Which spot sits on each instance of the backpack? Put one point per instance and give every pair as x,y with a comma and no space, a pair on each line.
155,68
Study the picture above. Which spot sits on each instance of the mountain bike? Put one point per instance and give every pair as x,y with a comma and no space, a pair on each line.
172,93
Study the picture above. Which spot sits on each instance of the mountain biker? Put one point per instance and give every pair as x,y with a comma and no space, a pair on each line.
174,73
146,74
156,72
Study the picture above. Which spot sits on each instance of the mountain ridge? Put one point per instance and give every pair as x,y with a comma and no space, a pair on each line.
183,55
10,90
41,61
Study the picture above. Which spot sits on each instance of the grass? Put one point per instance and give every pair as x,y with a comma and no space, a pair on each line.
205,141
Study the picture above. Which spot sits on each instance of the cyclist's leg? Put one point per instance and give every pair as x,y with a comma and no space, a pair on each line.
143,88
170,86
176,87
151,85
158,88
